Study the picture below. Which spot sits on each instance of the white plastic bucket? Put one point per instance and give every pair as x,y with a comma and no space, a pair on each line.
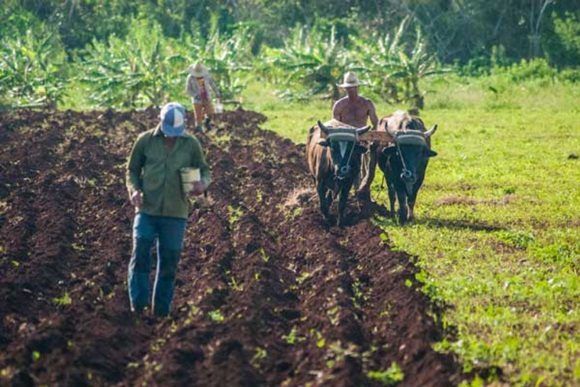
189,176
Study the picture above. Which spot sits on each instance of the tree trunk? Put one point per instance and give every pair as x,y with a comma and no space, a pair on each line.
537,10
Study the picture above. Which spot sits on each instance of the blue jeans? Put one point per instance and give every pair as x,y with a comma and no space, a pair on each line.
168,232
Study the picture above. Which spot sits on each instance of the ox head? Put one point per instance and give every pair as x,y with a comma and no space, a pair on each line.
410,154
345,150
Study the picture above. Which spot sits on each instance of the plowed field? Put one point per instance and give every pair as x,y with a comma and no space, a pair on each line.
267,293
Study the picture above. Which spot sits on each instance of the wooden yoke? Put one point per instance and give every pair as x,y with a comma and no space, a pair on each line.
380,138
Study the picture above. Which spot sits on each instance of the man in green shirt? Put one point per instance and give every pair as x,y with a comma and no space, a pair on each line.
154,185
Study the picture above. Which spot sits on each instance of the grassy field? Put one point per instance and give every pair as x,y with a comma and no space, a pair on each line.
498,219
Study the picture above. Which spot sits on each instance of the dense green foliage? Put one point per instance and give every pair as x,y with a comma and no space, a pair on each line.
32,69
394,70
148,68
126,53
456,30
132,71
314,61
564,44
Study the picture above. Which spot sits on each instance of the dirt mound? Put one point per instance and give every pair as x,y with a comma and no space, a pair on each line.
267,293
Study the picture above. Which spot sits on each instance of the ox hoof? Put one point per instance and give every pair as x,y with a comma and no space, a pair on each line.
402,220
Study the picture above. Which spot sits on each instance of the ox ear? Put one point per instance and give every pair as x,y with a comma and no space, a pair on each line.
363,130
431,153
431,131
322,127
323,142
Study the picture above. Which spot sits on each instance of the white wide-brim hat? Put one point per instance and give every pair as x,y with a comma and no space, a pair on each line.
350,80
198,70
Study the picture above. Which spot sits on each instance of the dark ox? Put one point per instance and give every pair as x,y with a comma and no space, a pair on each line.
333,156
405,160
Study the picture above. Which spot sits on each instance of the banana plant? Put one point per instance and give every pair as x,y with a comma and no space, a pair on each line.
228,58
147,68
32,70
312,65
136,71
394,70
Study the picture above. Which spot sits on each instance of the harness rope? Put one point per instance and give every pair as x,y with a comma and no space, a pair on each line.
405,173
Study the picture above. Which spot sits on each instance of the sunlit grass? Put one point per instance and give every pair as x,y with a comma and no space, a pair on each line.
498,219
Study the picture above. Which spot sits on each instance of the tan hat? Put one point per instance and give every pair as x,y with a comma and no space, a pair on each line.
198,70
350,80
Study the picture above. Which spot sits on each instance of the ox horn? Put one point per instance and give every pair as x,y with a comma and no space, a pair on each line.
363,130
431,131
322,127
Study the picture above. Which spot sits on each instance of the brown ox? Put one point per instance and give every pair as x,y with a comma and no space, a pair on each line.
404,160
333,155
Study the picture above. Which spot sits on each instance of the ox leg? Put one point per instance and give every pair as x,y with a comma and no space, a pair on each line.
413,197
411,200
323,197
402,198
389,178
329,199
369,162
411,216
342,200
392,197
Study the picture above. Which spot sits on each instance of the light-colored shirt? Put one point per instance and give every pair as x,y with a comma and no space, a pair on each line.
193,89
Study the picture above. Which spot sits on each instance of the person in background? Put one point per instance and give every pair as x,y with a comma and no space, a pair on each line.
162,208
199,86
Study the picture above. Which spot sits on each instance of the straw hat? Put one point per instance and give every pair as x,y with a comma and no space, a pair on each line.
198,70
350,80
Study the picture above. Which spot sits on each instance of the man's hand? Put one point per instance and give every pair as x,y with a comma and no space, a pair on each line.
198,188
137,199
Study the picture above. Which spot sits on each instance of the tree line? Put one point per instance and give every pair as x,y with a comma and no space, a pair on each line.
455,30
128,54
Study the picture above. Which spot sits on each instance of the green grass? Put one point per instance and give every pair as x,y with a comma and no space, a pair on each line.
498,219
290,119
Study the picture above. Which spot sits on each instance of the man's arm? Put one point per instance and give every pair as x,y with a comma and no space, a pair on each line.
373,115
189,87
337,111
214,87
200,162
135,166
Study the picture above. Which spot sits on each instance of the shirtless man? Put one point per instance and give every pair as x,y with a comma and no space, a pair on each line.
355,110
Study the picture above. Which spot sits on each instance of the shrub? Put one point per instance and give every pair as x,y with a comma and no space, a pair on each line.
394,69
135,71
32,69
563,48
527,70
147,68
227,58
312,63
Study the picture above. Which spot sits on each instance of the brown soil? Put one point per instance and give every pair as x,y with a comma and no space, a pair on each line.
267,293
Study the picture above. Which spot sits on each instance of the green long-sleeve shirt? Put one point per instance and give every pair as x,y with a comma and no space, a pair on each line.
154,170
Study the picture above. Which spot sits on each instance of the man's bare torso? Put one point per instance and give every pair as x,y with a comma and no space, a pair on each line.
354,112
